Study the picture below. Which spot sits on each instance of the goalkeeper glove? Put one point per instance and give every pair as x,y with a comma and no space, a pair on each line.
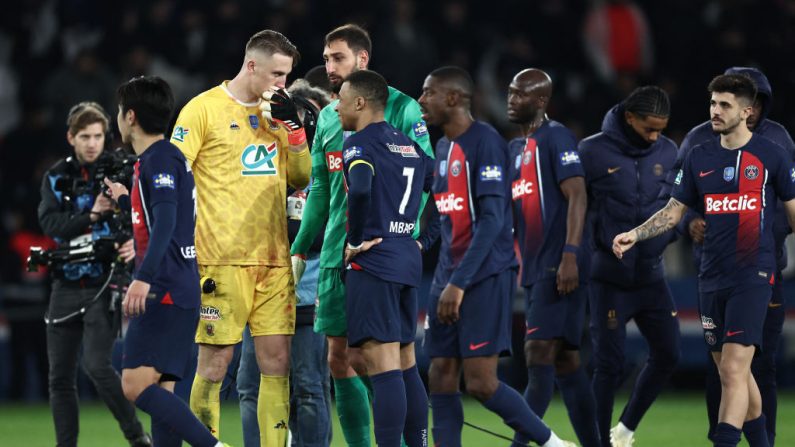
299,265
279,107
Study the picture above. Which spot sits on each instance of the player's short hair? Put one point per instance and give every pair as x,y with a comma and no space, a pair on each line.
371,85
648,100
272,42
357,38
317,77
455,78
84,114
740,85
151,99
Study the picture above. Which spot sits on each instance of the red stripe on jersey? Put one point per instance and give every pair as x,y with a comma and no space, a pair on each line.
751,176
455,202
526,190
140,228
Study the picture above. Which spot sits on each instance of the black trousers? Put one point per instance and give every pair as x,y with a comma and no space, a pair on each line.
94,333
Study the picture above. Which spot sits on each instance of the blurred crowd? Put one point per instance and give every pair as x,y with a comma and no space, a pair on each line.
54,54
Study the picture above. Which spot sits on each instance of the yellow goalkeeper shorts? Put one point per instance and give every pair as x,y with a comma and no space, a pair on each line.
263,297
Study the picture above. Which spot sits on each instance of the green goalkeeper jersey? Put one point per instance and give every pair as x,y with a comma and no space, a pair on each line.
327,203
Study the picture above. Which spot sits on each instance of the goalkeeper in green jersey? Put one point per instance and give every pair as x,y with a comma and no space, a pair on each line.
347,49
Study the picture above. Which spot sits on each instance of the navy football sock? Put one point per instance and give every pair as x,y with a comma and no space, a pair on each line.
163,435
389,407
580,403
540,386
726,435
174,412
515,412
448,419
755,432
764,371
415,432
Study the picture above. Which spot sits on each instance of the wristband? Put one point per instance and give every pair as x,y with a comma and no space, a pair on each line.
297,138
570,248
298,255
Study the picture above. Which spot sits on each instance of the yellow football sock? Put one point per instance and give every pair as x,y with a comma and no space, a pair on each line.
273,410
205,403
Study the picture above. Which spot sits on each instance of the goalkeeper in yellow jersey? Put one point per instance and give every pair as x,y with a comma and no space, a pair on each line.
244,143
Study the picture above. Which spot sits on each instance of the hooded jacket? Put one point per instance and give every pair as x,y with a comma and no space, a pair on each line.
624,189
765,127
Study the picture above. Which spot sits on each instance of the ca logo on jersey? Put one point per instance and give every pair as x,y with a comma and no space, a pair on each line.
179,134
258,159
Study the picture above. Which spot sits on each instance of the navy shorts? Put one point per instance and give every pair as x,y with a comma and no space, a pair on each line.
379,310
163,338
549,316
735,315
484,326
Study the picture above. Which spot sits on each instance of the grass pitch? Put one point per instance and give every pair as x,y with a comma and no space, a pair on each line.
674,420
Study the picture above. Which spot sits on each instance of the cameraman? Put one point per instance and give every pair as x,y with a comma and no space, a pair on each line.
72,211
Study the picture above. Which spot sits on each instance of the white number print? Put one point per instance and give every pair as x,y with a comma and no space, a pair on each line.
407,172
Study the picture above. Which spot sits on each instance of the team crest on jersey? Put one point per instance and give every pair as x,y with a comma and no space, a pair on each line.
528,157
258,159
792,175
420,129
254,121
455,168
569,158
443,168
351,152
179,134
234,126
491,173
658,170
751,172
728,173
164,180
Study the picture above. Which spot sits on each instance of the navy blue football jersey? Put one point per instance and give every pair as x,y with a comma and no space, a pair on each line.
473,165
737,189
402,172
540,163
163,175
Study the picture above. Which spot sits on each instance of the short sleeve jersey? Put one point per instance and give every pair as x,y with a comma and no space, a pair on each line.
471,166
401,172
737,189
540,163
240,165
162,175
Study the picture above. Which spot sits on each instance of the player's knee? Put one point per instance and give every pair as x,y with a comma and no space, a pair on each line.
567,362
539,352
357,361
732,373
338,362
443,377
213,363
274,364
132,386
481,387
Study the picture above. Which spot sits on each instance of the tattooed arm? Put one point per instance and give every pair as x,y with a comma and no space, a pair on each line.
659,223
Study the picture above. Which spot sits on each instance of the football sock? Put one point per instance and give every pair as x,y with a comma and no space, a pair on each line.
205,403
540,386
726,435
389,407
353,408
415,432
273,410
515,412
580,403
755,432
172,411
448,419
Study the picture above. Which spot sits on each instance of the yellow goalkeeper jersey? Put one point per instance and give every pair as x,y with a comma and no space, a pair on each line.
240,165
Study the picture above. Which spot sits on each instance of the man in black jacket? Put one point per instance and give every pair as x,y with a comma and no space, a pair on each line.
79,313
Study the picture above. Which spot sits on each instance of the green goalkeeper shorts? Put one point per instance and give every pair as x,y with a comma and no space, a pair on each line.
330,317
